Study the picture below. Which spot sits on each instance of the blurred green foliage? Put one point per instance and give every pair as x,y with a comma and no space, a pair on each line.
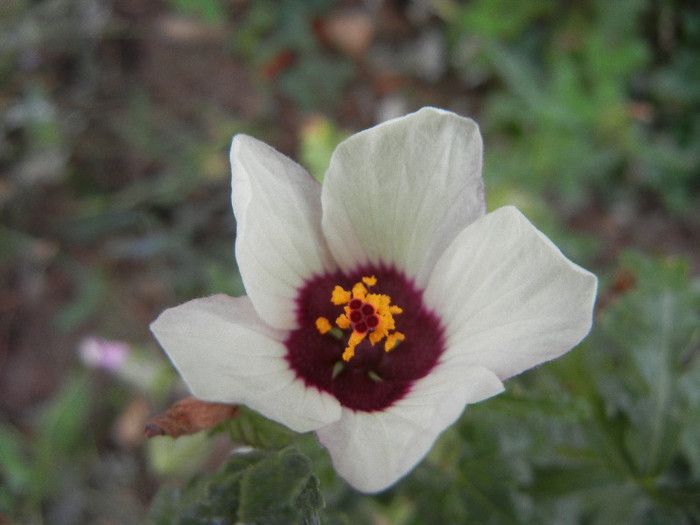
585,99
211,11
319,137
59,450
278,36
115,202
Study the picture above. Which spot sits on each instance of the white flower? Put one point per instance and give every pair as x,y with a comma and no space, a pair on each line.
380,303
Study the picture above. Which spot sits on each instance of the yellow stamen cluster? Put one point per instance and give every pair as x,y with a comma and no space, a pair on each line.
368,314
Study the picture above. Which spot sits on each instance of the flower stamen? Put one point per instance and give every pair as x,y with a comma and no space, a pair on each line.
369,315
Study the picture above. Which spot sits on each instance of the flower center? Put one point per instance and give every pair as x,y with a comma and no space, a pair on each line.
343,353
364,314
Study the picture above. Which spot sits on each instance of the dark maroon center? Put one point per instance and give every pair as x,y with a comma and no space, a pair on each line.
373,379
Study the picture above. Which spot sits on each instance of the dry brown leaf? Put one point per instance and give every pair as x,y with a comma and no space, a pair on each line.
188,416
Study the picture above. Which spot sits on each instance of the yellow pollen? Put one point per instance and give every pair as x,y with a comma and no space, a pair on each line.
323,325
371,317
340,296
343,322
355,339
359,291
392,340
369,281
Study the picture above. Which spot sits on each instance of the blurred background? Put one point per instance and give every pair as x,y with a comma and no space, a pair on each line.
115,122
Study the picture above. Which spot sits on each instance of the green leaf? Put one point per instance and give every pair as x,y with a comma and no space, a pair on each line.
271,488
177,457
653,330
255,487
250,428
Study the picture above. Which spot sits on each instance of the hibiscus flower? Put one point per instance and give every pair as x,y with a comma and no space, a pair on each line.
380,303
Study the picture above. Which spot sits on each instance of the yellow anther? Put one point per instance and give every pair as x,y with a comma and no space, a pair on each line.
376,336
369,281
343,322
359,291
323,325
340,296
355,339
392,340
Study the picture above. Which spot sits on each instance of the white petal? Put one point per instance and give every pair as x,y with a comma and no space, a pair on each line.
398,193
226,354
508,297
279,243
373,450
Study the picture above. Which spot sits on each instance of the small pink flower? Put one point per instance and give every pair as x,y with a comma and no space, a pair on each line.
380,303
101,353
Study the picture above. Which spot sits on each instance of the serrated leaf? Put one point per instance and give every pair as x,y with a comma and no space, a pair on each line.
270,489
652,330
309,502
255,487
